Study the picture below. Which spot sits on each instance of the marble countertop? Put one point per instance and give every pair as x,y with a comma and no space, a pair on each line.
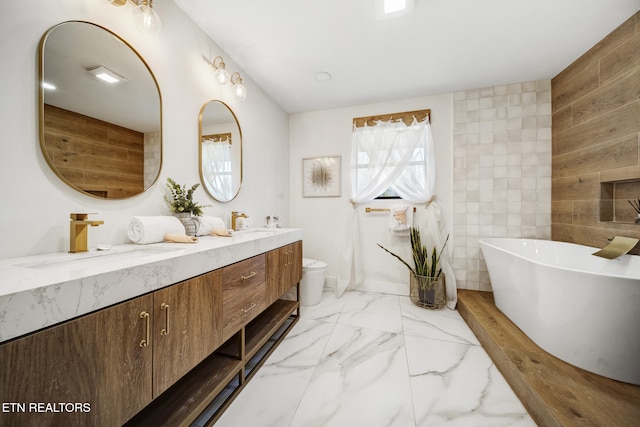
43,290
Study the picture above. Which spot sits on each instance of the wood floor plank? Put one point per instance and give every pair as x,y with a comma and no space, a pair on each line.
554,392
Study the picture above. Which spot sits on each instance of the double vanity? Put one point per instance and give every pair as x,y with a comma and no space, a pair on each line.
161,334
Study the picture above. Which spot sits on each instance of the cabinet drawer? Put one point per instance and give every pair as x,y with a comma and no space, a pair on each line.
243,293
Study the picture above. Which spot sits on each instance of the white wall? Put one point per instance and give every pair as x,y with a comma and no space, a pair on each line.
328,133
36,204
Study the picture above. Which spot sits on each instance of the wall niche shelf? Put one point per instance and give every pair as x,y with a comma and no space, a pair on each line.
614,200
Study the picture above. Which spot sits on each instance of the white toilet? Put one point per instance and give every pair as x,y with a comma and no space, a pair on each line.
312,282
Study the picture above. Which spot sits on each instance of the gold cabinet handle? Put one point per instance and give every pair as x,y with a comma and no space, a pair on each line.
165,330
145,342
253,273
251,307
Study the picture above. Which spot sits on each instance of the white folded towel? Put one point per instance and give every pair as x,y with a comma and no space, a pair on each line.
152,229
400,219
206,224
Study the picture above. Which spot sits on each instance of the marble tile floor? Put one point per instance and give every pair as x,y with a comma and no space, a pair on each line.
374,360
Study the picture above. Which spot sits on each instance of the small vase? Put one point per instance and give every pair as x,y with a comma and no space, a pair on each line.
426,292
189,223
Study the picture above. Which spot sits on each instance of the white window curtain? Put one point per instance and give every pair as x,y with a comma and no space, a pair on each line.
216,167
392,154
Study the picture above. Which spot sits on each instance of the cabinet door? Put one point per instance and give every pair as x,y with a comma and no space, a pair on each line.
296,265
277,268
96,364
284,270
187,327
243,293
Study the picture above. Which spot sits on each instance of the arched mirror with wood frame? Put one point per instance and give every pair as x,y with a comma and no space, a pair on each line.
100,112
220,148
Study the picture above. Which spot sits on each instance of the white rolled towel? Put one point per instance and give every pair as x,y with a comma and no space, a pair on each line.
205,224
152,229
401,219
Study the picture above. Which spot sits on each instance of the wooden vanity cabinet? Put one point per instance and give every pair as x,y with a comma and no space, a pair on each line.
157,359
106,359
95,361
284,270
187,327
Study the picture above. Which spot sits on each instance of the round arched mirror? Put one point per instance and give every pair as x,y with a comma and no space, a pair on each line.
100,112
220,142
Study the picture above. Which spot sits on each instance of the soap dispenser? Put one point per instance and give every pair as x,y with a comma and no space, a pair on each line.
238,221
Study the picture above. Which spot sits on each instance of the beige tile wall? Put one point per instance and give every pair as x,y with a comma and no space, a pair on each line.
152,157
501,171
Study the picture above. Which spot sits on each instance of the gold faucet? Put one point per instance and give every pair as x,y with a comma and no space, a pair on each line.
79,231
234,216
618,246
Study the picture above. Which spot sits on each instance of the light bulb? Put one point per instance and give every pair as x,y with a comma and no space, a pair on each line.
238,87
240,91
221,74
146,19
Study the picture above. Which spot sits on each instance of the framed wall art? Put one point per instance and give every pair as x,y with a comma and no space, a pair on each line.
321,176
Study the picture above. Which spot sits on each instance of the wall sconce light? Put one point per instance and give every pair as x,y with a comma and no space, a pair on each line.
145,18
222,77
221,74
238,87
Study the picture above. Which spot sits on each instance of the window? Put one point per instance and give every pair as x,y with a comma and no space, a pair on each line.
386,151
389,193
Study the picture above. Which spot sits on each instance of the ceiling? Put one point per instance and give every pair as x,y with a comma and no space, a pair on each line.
441,46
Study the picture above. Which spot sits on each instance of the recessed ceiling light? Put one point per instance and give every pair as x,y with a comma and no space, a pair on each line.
393,8
48,86
106,75
323,77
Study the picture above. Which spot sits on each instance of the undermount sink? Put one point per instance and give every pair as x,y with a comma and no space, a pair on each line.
92,258
261,231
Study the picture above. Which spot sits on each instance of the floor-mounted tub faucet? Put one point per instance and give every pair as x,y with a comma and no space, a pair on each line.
619,246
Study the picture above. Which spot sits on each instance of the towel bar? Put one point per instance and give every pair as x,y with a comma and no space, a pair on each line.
369,210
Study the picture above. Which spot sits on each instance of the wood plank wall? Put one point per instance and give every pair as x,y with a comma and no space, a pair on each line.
596,141
95,156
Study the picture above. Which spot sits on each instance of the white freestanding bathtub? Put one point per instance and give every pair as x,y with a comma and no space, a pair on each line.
579,307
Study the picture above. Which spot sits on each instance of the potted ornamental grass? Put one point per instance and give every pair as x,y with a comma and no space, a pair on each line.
426,281
182,204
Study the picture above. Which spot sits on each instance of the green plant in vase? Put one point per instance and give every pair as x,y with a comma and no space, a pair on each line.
182,199
182,204
426,275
